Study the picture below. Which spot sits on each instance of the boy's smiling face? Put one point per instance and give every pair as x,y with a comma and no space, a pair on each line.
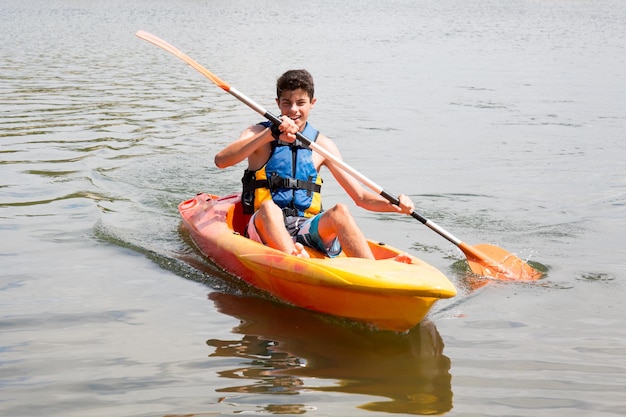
296,104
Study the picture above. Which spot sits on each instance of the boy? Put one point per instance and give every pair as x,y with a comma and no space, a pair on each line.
282,184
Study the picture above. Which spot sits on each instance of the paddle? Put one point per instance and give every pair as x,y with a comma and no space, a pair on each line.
485,260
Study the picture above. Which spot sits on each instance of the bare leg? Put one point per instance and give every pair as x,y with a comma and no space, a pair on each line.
338,222
271,228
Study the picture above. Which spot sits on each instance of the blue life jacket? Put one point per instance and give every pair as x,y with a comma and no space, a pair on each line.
288,177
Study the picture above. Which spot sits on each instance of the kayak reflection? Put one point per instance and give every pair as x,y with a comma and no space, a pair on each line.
284,345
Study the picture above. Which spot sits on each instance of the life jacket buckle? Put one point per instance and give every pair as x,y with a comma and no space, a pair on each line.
291,183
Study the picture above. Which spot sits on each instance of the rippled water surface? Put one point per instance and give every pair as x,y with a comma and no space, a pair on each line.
504,120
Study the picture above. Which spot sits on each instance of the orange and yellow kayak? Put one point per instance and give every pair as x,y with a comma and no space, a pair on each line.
387,294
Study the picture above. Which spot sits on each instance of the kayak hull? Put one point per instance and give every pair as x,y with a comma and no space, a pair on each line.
384,293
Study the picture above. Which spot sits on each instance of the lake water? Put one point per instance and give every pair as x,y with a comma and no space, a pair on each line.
504,120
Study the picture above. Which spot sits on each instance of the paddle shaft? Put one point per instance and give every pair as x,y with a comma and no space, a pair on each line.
473,253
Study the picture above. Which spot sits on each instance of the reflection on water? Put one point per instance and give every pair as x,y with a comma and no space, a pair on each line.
282,346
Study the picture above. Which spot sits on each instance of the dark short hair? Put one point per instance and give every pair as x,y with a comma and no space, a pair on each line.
294,79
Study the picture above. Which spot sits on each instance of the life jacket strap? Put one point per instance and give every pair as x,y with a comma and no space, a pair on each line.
275,182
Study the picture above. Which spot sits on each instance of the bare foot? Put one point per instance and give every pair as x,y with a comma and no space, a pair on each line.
299,251
404,258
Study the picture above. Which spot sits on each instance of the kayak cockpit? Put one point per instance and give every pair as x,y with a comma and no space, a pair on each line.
237,221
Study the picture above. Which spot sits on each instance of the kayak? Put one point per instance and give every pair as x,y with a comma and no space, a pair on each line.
383,293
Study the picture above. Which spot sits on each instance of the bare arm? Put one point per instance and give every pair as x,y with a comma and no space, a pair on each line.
252,144
249,142
362,197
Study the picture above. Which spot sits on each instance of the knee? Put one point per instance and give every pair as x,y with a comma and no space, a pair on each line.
340,212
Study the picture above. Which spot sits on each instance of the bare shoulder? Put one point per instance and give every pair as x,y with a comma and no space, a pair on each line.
328,144
251,131
260,154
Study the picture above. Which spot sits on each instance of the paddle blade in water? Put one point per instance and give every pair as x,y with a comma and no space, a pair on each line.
494,262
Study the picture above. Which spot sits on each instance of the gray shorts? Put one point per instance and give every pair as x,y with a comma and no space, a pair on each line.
303,230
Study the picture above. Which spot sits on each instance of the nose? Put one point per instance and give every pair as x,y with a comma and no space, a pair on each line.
293,108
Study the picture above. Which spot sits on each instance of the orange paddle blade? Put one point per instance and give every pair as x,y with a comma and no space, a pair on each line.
190,61
494,262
